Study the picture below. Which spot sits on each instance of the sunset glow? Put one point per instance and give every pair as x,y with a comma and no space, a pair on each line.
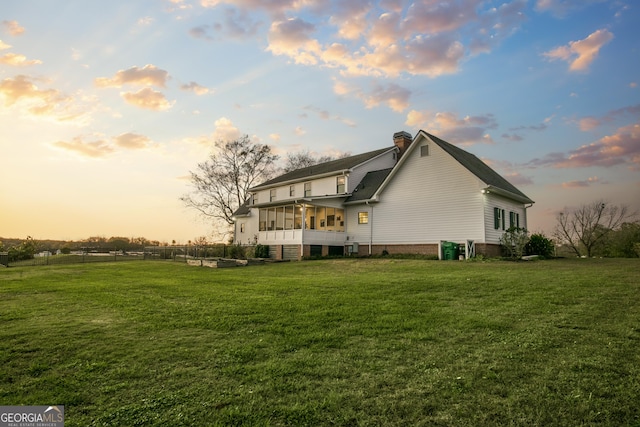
105,107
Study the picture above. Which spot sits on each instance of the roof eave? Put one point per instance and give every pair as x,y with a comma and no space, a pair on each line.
305,179
505,193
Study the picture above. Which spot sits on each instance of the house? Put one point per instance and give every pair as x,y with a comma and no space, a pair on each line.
408,198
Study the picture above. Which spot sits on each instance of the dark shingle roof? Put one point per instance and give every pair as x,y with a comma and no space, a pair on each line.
324,168
478,168
369,185
243,210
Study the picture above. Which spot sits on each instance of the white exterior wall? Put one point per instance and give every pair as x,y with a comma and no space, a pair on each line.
384,161
430,199
250,228
360,233
496,201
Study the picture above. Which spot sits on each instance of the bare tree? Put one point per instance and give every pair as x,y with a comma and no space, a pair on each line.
221,184
303,159
583,228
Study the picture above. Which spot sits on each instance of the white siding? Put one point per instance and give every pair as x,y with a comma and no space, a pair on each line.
495,201
385,161
250,228
430,198
360,233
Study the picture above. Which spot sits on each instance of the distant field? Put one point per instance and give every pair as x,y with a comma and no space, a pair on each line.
334,342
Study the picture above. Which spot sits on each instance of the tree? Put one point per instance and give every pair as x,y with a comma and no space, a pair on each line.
303,159
584,228
221,184
624,241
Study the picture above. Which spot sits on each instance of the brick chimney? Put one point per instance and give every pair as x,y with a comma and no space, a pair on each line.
402,140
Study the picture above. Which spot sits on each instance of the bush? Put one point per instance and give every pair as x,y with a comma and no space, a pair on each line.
539,244
262,251
236,252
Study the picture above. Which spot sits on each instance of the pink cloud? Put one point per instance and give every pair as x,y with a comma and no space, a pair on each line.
147,99
580,54
13,28
17,60
394,96
93,149
457,130
383,39
581,184
149,75
623,147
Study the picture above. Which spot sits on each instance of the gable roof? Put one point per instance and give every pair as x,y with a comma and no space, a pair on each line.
480,169
376,181
326,168
368,186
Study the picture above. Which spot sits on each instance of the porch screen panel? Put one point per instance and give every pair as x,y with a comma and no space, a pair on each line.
271,219
340,220
321,218
331,219
280,218
262,220
288,217
297,218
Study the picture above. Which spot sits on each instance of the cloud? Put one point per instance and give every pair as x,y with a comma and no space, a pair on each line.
620,148
195,88
148,99
382,40
581,184
145,21
467,130
13,28
580,54
591,122
23,94
560,8
299,131
225,130
94,149
131,141
291,37
518,179
394,96
326,115
4,46
149,75
17,60
275,137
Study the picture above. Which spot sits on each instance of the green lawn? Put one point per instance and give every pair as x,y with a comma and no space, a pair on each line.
335,342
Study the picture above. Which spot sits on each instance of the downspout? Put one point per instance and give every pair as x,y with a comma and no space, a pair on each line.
526,217
370,229
304,217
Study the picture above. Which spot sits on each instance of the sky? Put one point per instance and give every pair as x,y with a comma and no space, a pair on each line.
106,106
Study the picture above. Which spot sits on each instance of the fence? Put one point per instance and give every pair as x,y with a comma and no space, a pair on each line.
165,253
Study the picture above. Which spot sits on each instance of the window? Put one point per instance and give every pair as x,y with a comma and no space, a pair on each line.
242,227
292,190
363,217
424,150
307,189
514,219
498,218
272,195
340,187
255,198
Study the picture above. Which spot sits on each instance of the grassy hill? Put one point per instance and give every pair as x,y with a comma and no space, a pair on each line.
332,342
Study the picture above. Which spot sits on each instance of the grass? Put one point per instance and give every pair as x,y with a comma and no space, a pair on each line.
335,342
